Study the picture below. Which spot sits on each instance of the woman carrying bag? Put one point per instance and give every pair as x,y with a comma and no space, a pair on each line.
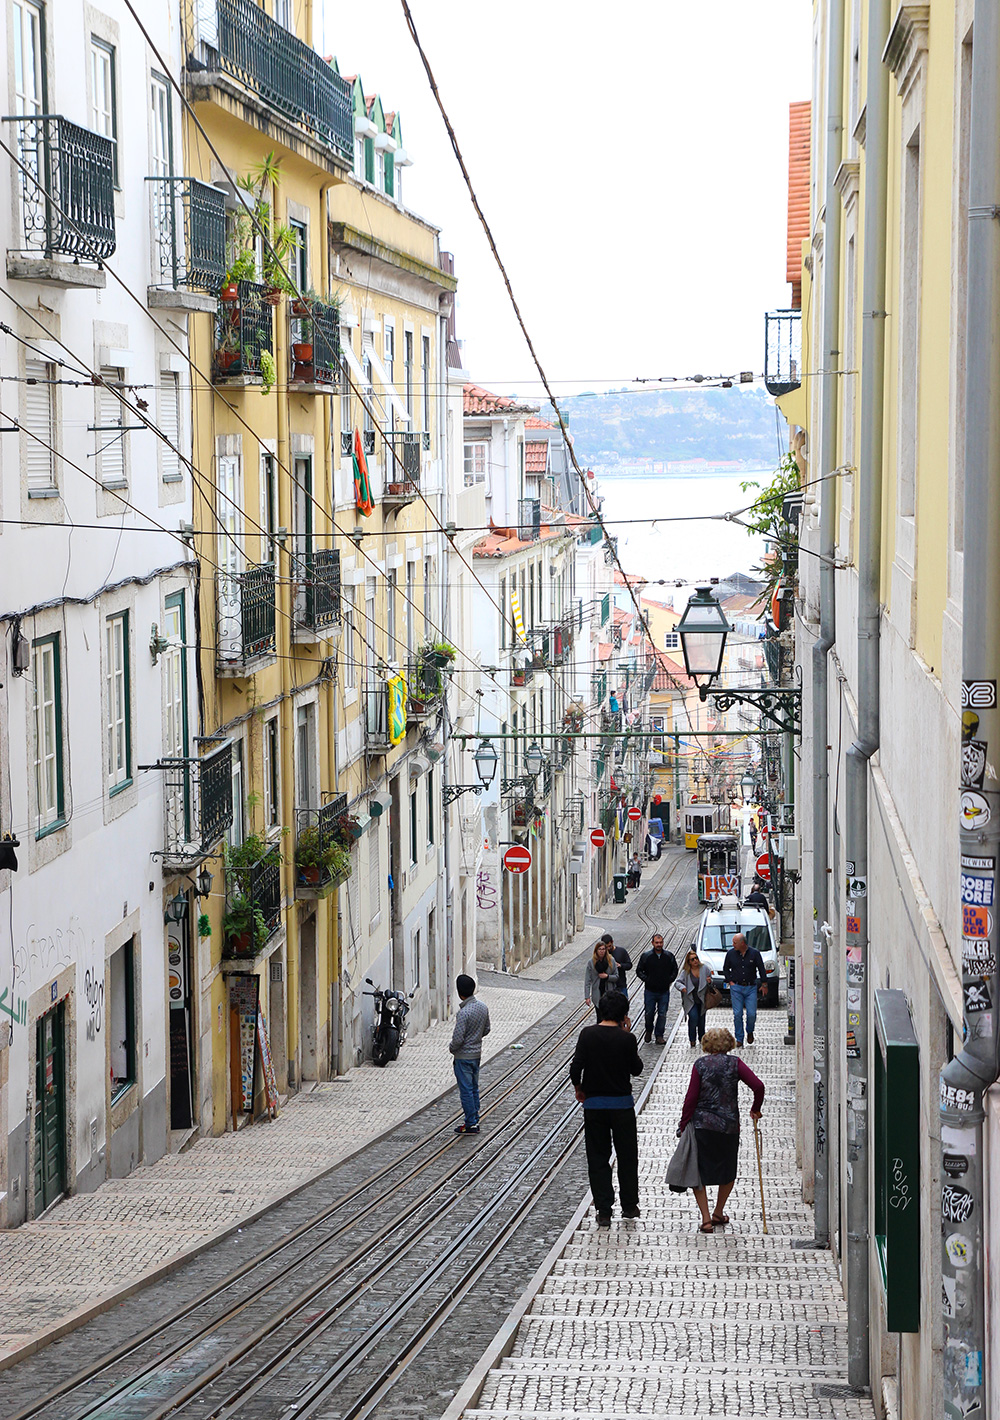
711,1105
601,976
694,984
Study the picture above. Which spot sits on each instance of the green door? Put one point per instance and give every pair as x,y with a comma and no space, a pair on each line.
50,1109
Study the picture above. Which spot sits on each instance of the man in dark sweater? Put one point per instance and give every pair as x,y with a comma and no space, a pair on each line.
742,969
624,961
606,1058
657,970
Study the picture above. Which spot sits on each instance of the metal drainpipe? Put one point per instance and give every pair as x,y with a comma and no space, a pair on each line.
830,356
858,994
964,1079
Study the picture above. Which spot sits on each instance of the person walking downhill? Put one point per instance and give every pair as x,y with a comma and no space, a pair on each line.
601,974
623,961
712,1104
741,969
693,982
605,1059
657,970
472,1022
753,834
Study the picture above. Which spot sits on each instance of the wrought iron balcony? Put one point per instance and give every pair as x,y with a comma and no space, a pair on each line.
322,851
529,519
66,197
198,806
257,888
243,332
402,468
782,351
245,602
376,700
599,687
315,345
424,686
283,71
317,592
188,228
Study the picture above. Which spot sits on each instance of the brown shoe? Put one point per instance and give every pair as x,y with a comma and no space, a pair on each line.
749,1037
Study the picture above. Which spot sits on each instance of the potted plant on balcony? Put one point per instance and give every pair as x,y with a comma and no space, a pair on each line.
440,654
347,830
243,927
319,858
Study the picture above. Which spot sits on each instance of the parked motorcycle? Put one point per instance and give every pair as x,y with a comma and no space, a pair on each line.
389,1024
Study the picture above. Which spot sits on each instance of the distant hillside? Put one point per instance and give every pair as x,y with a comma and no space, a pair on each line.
673,425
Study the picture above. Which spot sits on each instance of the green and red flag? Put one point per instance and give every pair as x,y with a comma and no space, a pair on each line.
362,483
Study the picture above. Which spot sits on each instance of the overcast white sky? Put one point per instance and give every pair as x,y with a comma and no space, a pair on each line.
631,158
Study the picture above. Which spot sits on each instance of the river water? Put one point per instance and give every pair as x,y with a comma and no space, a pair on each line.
689,551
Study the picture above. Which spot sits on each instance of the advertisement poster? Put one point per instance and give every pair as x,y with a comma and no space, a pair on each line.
270,1083
243,995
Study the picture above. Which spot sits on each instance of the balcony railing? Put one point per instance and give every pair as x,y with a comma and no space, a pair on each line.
245,616
377,739
259,886
317,836
188,226
529,519
243,331
198,805
317,596
424,688
402,467
66,188
599,687
782,351
315,343
605,608
284,71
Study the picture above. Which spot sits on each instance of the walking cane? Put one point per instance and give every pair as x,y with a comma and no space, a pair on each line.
760,1172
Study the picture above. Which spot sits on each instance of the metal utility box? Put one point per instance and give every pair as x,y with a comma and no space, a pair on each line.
896,1085
619,880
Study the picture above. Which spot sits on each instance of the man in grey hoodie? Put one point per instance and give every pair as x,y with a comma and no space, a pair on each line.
472,1022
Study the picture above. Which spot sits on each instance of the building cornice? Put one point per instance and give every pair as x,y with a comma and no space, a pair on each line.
347,238
848,181
907,44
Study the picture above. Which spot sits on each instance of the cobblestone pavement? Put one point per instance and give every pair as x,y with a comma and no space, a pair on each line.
97,1244
654,1318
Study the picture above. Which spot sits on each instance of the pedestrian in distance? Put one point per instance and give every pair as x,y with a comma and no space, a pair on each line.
693,982
756,897
472,1023
605,1059
753,834
634,871
657,970
601,974
623,961
712,1105
741,970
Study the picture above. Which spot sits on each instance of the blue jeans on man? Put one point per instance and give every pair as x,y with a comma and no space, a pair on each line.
744,998
656,1003
467,1075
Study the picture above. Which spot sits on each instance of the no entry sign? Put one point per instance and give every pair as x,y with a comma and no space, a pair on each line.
598,837
517,859
635,814
762,867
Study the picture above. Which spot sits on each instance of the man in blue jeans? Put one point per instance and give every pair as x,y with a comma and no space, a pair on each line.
742,968
657,970
472,1022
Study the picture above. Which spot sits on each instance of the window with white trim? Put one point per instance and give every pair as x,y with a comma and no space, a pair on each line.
272,772
110,437
389,346
426,371
411,593
672,641
475,464
29,73
374,876
116,676
103,100
46,672
348,641
170,425
38,425
408,371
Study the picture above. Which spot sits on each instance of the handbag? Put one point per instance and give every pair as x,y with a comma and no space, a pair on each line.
683,1171
713,997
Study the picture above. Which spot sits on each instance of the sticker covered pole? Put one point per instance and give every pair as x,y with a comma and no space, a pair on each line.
965,1078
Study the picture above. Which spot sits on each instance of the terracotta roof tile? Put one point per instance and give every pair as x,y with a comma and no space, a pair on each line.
799,118
503,542
604,650
535,423
536,457
480,401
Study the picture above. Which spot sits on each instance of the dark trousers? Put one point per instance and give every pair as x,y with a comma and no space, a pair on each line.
696,1023
656,1003
601,1129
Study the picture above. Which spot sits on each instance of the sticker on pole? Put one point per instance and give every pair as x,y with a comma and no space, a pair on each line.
598,837
635,814
857,887
762,867
975,810
979,694
517,859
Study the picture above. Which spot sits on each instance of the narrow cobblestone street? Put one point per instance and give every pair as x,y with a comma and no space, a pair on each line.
655,1318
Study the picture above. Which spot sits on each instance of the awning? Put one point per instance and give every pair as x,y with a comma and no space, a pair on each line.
362,381
387,386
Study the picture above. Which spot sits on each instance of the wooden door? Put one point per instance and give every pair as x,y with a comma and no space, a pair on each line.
50,1109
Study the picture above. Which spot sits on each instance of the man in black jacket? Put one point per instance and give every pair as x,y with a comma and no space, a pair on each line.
657,971
624,961
742,968
606,1058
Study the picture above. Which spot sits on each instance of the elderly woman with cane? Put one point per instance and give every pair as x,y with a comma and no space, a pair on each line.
712,1106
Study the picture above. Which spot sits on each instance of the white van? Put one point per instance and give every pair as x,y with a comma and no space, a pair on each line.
719,924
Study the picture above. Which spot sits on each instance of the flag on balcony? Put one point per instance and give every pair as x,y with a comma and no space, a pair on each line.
515,609
362,483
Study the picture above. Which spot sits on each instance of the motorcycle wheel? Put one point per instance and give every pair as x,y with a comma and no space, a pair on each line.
386,1048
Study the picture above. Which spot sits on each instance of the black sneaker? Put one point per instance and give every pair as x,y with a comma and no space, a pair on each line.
647,1037
467,1129
604,1220
631,1213
749,1037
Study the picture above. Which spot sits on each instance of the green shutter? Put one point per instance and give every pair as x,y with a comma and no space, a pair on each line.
369,160
897,1158
390,172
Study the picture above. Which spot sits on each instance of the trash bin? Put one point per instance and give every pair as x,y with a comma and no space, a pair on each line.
619,887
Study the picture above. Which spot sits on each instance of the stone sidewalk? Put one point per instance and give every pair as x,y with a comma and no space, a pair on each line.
653,1318
95,1245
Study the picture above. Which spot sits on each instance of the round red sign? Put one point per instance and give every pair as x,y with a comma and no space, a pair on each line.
635,814
598,837
762,867
517,859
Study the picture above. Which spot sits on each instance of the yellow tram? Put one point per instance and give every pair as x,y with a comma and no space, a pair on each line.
701,818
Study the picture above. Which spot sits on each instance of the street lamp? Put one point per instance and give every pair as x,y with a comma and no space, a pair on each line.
534,760
485,760
703,630
747,785
176,908
204,882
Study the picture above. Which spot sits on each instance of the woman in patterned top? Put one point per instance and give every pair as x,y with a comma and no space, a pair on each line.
712,1104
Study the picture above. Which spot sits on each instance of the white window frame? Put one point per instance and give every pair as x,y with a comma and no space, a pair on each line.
29,40
112,450
272,773
40,462
171,469
475,462
118,732
671,641
349,639
46,674
103,98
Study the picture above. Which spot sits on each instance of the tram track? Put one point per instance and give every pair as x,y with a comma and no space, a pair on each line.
214,1364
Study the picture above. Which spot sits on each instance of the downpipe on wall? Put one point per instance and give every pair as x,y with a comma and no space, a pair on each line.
830,356
965,1078
857,993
